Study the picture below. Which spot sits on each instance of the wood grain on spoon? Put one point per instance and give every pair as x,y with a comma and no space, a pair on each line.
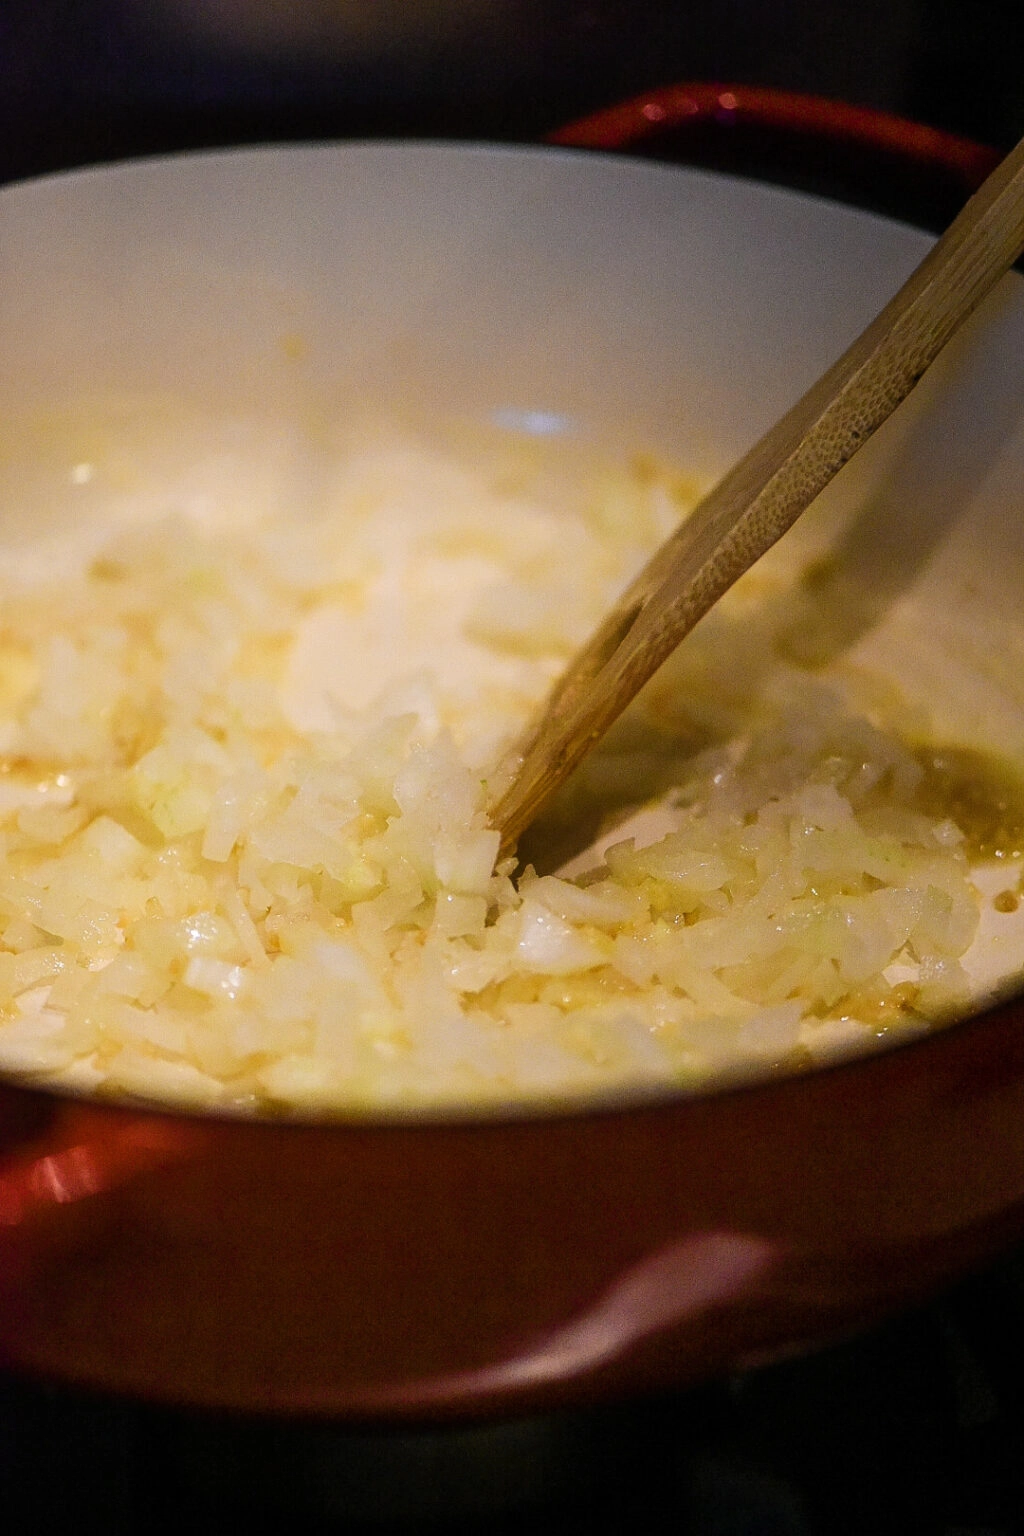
763,495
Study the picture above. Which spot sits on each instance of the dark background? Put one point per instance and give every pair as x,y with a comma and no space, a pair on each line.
94,81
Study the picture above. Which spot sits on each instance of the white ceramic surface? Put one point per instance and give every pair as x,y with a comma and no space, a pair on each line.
596,299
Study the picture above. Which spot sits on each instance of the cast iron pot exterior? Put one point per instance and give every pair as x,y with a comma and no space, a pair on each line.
436,1270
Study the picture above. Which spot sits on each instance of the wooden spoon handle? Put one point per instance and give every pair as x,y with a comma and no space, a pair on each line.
763,495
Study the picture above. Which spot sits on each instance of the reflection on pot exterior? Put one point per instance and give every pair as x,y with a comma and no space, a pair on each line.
676,1285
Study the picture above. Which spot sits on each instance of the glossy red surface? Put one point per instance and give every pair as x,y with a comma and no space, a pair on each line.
627,125
405,1271
875,159
435,1269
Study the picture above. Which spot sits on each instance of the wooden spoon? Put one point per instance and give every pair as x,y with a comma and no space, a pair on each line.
763,495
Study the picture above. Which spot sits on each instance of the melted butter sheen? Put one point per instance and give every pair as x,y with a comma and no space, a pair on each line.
982,793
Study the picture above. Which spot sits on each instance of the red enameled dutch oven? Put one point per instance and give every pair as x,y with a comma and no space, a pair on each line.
417,1269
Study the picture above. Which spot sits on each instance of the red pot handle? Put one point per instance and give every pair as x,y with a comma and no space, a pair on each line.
768,130
58,1155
